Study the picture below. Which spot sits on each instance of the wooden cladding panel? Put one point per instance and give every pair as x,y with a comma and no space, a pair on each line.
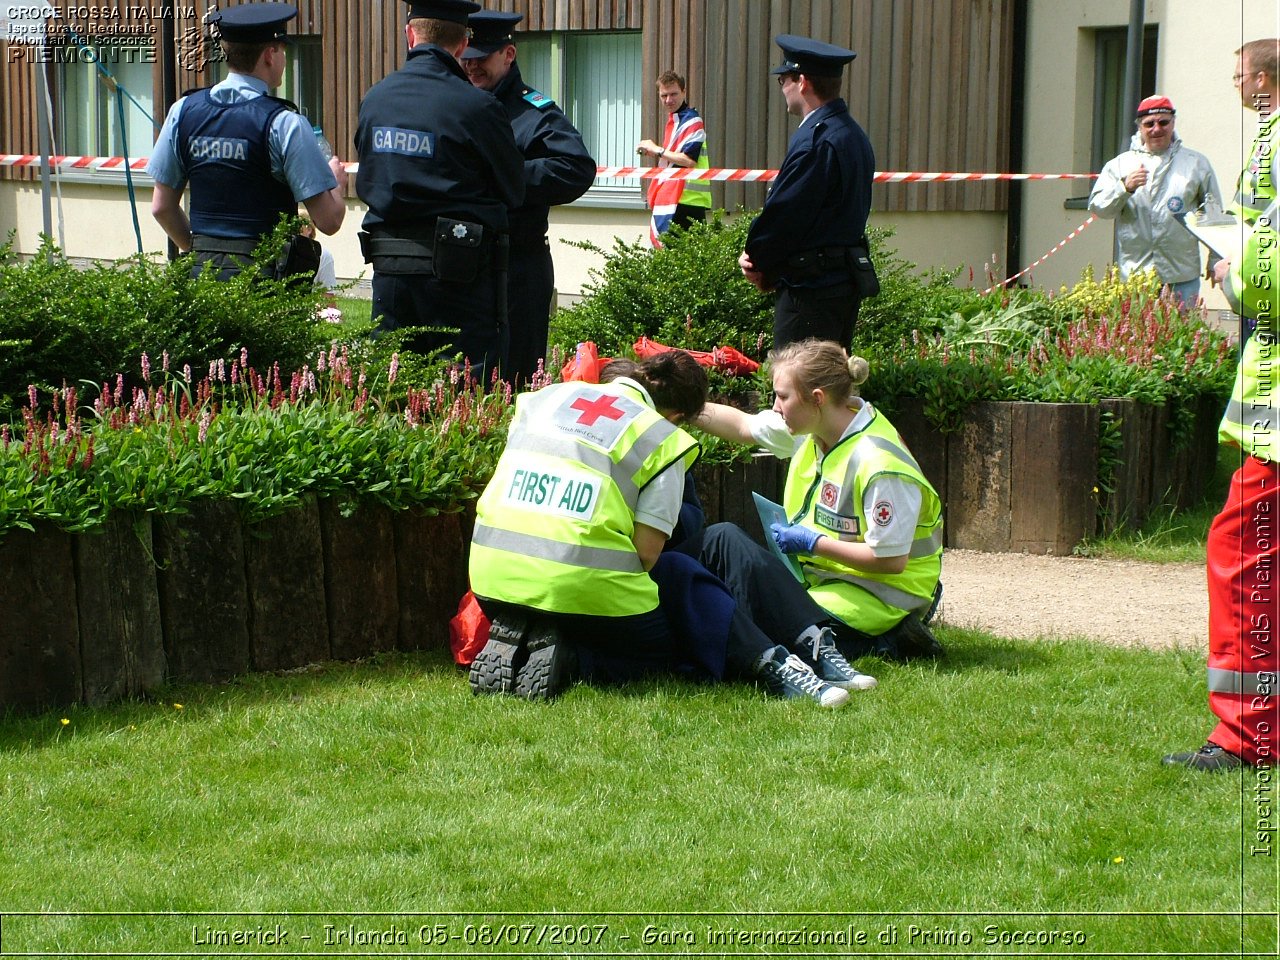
930,86
575,14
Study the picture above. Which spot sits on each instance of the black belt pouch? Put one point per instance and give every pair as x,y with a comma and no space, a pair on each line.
458,248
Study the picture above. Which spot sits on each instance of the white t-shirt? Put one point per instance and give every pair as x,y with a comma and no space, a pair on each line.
890,505
326,274
659,503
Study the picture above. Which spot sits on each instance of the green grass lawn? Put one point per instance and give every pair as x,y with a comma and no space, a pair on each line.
355,308
1016,783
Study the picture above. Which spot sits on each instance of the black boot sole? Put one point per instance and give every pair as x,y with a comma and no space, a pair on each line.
495,668
548,670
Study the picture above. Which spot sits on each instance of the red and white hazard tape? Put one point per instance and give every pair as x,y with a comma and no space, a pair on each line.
881,176
726,174
1069,237
72,163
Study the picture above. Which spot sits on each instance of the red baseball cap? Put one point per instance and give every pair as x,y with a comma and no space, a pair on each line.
1156,104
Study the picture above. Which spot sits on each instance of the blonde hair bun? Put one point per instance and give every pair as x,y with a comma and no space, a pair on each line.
859,370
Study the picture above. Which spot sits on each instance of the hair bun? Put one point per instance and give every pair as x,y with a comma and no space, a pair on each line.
859,370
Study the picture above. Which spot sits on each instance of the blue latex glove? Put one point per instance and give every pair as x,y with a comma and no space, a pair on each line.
795,538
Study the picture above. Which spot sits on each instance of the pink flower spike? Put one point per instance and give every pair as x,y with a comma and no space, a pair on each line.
164,361
206,418
244,357
395,368
31,395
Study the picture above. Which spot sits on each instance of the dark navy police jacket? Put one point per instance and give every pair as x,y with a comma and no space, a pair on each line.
432,145
557,167
821,197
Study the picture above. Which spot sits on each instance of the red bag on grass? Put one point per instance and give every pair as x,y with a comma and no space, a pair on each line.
468,630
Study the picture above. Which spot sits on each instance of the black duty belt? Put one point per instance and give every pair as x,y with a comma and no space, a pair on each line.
243,247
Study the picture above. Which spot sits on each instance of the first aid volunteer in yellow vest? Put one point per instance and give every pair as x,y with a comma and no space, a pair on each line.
863,522
584,496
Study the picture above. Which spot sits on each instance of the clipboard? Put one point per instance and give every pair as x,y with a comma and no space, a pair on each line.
1224,235
771,513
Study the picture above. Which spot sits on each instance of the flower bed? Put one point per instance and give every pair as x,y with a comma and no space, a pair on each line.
194,531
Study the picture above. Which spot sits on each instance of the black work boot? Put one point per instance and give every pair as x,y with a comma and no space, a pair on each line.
495,667
549,667
910,640
1210,758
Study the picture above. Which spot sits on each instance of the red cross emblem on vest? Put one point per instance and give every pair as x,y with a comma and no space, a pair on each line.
593,410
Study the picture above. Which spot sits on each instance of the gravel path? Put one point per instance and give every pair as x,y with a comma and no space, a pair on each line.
1116,601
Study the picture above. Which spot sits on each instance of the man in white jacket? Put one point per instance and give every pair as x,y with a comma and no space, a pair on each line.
1145,189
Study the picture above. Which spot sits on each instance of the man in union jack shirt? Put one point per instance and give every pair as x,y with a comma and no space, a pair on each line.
683,145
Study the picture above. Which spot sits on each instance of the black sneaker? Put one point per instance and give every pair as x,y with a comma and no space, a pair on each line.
495,668
1210,758
549,668
786,675
912,640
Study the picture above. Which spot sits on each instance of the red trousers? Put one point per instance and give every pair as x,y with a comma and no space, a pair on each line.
1244,614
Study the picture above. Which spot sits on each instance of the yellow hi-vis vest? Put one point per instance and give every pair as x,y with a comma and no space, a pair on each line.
697,193
826,494
554,526
1252,286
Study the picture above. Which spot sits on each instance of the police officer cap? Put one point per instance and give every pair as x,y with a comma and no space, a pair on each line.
813,58
253,22
455,11
490,32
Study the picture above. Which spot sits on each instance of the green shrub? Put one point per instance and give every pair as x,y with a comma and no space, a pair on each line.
910,301
691,294
1101,339
59,324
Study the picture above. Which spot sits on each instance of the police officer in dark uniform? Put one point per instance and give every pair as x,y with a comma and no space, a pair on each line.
439,169
557,169
809,241
249,157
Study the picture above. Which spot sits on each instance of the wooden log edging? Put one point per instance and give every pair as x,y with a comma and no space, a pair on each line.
202,597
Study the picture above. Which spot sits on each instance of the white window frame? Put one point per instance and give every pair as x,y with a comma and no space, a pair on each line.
104,108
